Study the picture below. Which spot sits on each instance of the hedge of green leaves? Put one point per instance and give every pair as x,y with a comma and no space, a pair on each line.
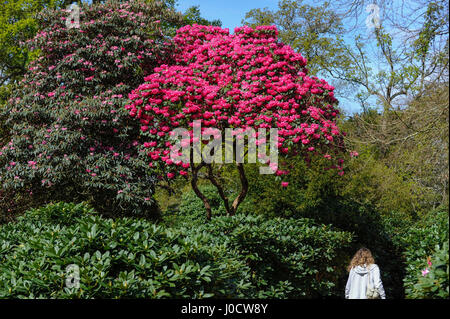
288,258
427,241
231,257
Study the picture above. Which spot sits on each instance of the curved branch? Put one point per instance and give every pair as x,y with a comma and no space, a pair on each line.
197,191
244,182
219,189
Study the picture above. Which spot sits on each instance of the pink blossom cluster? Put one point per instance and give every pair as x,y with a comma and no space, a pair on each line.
243,80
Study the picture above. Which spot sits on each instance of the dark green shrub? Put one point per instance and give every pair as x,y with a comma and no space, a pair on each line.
290,258
433,282
123,258
421,241
230,257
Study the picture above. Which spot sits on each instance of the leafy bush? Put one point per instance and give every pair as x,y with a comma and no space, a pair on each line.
117,258
311,189
433,283
70,136
230,257
425,239
371,181
288,258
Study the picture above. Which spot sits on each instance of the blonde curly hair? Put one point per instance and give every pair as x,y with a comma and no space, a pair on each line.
362,257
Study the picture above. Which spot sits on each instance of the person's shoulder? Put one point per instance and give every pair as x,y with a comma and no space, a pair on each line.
374,266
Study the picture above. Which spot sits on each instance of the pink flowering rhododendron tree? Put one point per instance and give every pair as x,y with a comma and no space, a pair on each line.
247,80
70,136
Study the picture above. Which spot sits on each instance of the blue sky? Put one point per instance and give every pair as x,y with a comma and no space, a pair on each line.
230,12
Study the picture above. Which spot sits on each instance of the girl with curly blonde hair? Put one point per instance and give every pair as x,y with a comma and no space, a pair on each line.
364,281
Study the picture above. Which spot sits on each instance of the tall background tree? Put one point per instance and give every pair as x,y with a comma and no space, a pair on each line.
18,24
314,31
192,15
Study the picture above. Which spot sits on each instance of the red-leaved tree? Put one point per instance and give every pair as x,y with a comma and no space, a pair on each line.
247,80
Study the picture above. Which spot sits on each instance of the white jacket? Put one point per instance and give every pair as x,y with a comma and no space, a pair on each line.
358,280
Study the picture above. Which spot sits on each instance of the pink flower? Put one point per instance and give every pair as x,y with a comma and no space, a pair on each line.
425,272
284,184
170,175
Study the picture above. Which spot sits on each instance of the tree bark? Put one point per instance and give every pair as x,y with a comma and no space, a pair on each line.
231,210
197,191
219,189
244,182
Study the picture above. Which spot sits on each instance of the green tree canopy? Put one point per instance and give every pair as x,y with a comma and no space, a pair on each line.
18,24
192,15
313,31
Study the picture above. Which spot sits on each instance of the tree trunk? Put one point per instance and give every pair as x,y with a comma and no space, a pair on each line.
219,189
197,191
231,210
244,182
